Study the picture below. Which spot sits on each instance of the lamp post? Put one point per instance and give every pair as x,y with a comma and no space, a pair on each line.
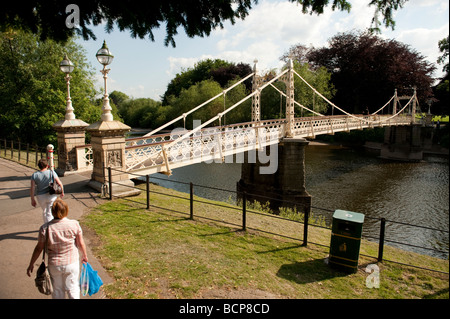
105,58
67,67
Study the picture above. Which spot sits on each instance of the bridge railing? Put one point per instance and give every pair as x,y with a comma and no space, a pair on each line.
204,145
313,126
160,153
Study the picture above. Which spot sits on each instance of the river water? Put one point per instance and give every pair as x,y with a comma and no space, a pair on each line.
344,178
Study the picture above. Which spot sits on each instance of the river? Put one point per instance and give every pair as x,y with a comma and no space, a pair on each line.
344,178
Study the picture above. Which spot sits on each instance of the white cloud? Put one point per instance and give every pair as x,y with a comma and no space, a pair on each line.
272,27
176,65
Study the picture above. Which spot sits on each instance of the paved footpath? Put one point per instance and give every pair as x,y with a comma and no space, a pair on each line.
20,222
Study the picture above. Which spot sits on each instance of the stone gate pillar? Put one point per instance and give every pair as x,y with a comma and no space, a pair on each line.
108,146
70,133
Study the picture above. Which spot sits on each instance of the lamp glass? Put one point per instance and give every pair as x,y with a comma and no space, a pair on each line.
66,65
104,56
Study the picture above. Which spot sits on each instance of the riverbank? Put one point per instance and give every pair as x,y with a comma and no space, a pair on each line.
161,253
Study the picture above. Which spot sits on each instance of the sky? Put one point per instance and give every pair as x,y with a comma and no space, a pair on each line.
143,69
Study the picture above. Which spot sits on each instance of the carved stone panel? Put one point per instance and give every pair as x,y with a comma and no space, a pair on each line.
114,158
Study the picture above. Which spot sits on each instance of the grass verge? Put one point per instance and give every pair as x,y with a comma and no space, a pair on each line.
161,253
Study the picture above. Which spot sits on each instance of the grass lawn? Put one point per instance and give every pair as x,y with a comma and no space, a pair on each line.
161,253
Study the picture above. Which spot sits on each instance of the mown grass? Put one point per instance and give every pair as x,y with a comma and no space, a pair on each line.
161,253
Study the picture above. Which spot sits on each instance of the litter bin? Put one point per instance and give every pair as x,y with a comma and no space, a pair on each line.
346,231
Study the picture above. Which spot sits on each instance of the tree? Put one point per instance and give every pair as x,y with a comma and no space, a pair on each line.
273,104
443,47
118,98
441,90
33,89
367,69
217,70
197,17
142,112
203,91
223,75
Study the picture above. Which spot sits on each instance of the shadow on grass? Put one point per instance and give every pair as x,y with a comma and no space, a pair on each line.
308,271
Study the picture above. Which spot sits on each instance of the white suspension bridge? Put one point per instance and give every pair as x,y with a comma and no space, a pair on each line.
161,153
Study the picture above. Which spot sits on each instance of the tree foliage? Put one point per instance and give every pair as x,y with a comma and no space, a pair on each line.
203,91
217,70
33,89
273,104
140,18
366,69
443,59
141,112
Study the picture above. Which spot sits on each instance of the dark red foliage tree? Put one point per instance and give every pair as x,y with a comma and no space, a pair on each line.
367,69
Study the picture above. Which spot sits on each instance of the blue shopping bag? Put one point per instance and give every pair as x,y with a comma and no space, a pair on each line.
90,281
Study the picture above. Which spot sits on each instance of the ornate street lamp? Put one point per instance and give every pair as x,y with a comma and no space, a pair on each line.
105,57
67,67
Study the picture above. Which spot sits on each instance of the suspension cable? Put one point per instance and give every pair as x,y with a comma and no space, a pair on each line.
198,128
302,106
198,107
348,114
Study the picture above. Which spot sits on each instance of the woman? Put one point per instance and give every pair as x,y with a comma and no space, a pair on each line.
40,180
64,240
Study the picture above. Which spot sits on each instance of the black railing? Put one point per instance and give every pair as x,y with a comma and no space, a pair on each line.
243,207
25,153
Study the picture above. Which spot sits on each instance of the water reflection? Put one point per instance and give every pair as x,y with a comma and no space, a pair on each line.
342,178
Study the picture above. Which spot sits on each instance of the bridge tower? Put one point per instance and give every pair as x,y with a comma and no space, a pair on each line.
290,93
256,99
406,142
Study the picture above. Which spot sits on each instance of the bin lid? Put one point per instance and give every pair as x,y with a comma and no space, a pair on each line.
349,216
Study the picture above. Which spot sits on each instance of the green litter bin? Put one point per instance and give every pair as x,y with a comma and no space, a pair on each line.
346,231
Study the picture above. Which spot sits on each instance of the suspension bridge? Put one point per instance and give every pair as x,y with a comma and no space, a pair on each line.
153,153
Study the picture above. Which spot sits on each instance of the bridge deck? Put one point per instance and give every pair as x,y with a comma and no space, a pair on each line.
163,152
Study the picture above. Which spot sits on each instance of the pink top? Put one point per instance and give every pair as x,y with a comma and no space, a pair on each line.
61,246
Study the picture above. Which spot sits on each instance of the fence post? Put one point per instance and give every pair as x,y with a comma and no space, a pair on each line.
147,181
191,200
20,149
381,243
244,211
12,146
5,147
28,152
305,228
110,182
37,152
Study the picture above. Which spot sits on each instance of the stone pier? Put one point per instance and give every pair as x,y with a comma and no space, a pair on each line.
406,143
285,187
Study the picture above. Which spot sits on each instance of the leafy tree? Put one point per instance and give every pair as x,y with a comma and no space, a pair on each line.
218,70
367,69
196,95
196,17
273,104
142,112
33,89
223,75
443,47
441,90
203,91
118,98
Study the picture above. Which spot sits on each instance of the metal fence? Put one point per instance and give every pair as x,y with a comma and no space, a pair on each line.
25,153
245,211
